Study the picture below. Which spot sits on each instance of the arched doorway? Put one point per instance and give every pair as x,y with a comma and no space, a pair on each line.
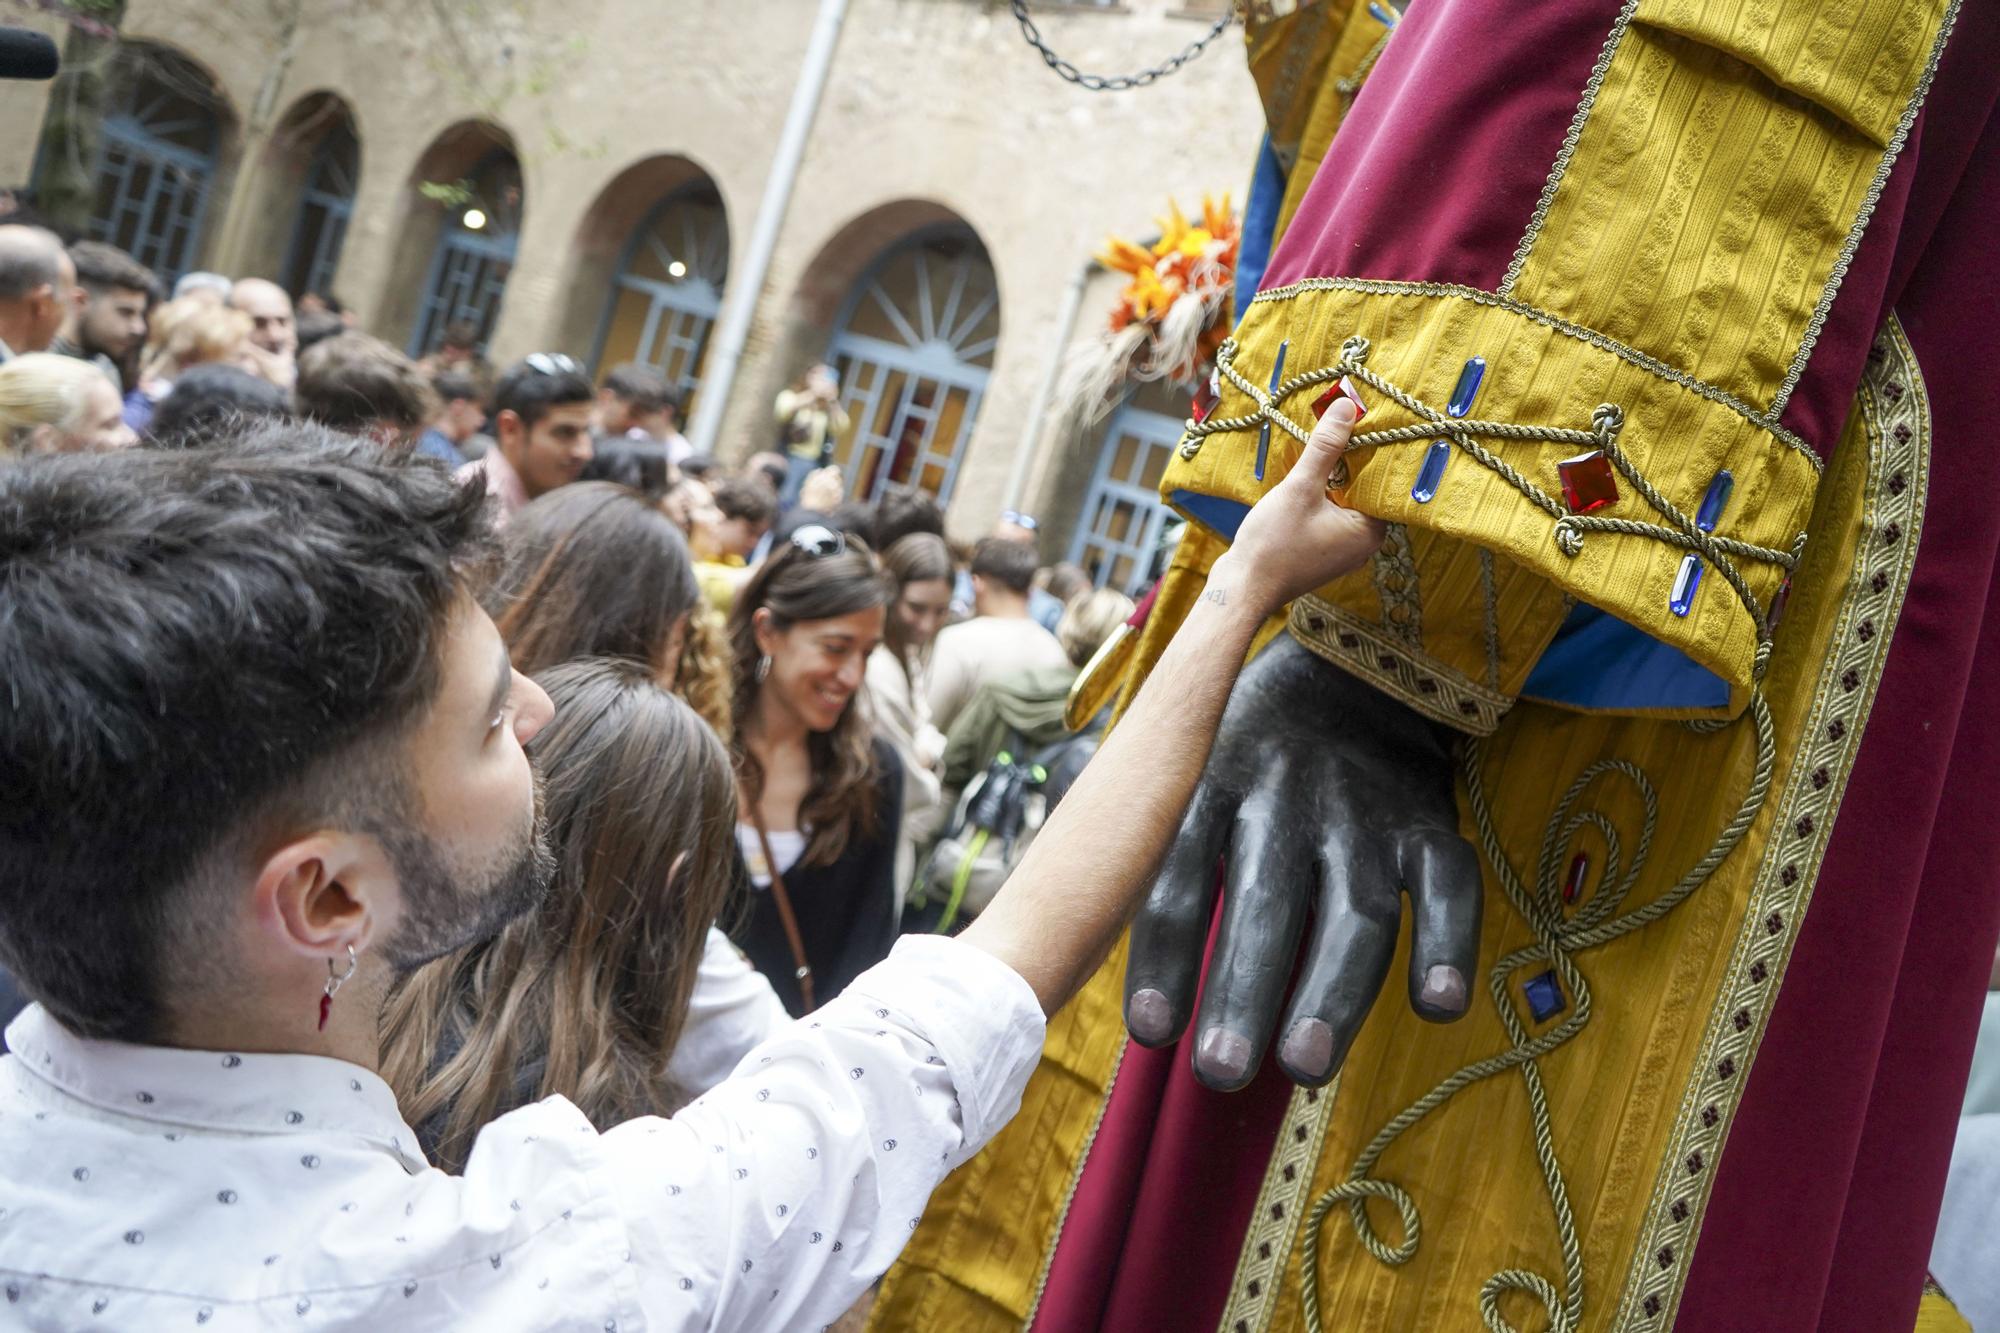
667,291
475,250
156,165
1122,518
913,349
326,197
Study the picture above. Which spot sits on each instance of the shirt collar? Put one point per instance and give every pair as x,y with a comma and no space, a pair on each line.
215,1090
503,482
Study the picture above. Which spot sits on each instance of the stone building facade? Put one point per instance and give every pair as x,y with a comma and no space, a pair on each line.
615,154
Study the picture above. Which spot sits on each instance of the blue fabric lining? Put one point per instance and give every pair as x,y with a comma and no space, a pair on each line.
1600,662
1211,511
1260,220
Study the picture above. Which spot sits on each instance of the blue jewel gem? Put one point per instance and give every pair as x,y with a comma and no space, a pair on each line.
1545,996
1717,499
1431,475
1381,15
1686,580
1467,387
1264,431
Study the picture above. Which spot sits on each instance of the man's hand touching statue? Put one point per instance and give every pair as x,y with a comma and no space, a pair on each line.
1323,803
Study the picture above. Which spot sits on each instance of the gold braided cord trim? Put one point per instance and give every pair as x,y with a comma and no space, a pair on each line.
1868,204
1606,424
1896,410
1445,290
1360,647
1394,570
1568,150
1275,1221
1490,591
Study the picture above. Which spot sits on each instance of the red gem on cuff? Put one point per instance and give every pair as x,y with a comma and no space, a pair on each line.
1340,388
1588,482
1206,397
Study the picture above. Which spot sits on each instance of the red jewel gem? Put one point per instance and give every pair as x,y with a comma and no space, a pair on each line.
1579,870
1207,396
1778,602
1587,482
1343,387
325,1008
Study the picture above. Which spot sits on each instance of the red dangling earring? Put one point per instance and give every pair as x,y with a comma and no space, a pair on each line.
334,981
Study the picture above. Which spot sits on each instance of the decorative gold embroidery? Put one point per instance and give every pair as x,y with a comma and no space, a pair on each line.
1445,290
1867,211
1395,572
1490,590
1568,149
1360,646
1896,408
1275,1222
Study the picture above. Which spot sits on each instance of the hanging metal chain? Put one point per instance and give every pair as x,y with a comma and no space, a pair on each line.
1116,83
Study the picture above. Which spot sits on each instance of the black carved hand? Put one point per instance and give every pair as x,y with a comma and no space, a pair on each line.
1324,798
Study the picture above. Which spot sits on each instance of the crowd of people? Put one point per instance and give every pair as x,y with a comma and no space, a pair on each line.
259,576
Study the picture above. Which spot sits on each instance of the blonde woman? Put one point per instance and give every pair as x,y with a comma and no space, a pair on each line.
53,404
185,333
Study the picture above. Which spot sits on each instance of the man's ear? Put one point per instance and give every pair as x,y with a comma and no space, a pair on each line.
322,893
508,428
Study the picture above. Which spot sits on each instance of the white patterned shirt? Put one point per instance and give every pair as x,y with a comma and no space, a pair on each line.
149,1187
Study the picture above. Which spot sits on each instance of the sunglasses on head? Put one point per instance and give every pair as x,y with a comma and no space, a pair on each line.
816,541
1019,520
551,363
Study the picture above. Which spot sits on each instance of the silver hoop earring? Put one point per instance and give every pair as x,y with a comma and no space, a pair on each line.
763,667
334,981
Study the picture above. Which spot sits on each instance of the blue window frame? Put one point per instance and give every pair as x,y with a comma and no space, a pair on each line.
1122,519
156,160
470,266
913,351
325,206
668,290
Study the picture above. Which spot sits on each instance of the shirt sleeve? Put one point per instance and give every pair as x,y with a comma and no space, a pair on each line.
776,1199
733,1009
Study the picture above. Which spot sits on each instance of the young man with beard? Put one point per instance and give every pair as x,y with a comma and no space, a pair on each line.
110,323
263,753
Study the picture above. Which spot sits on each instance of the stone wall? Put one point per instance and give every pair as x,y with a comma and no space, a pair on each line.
934,109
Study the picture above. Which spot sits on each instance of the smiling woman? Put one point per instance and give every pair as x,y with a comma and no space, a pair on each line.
821,795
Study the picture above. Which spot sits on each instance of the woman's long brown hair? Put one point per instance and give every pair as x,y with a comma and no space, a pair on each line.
598,570
592,988
918,558
797,589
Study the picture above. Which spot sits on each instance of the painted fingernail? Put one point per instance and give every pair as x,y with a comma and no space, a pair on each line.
1224,1055
1308,1048
1149,1016
1444,988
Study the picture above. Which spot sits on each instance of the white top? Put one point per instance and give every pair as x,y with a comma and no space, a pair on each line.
150,1188
985,649
787,845
732,1009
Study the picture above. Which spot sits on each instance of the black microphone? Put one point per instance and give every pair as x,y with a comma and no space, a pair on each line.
26,54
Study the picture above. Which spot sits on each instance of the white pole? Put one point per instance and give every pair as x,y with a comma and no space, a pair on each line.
1038,409
719,371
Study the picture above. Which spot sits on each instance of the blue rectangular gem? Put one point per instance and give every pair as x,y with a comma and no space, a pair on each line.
1717,499
1467,387
1264,431
1431,475
1381,15
1686,579
1545,996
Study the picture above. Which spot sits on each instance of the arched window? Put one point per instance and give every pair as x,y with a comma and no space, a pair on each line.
325,204
156,159
474,254
1122,515
913,350
668,290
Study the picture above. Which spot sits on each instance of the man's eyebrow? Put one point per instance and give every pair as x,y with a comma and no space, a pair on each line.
503,685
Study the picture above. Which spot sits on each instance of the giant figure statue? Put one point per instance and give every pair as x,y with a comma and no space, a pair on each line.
1667,707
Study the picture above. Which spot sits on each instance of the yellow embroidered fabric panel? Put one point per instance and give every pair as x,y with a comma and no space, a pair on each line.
1640,1096
1705,207
1539,371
